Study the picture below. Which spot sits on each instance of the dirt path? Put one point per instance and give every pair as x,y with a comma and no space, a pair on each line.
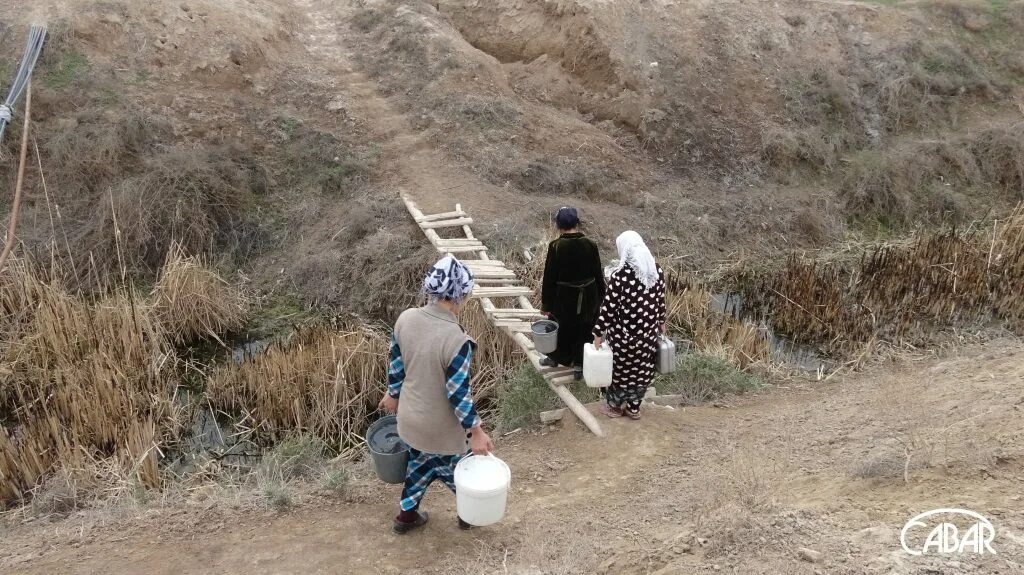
432,178
737,489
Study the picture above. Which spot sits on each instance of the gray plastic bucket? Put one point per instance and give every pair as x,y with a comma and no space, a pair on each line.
545,335
389,453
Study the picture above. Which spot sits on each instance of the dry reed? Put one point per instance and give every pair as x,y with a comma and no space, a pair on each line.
82,380
691,313
902,294
320,382
191,301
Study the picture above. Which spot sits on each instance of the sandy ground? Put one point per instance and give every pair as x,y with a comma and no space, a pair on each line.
739,488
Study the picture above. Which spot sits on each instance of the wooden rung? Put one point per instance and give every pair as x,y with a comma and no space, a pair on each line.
485,263
461,249
557,372
564,380
496,282
501,292
495,275
513,323
444,216
459,242
514,312
445,223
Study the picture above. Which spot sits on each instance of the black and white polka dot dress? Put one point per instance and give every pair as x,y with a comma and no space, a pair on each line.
630,320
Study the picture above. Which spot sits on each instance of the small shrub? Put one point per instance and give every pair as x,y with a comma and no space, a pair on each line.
336,479
367,19
524,395
295,457
71,66
277,496
700,378
189,197
570,177
792,150
973,15
810,224
58,494
931,77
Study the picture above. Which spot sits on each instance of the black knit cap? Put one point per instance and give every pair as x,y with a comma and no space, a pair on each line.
567,218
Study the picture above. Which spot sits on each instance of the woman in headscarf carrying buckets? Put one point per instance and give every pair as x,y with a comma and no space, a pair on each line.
572,290
632,316
428,385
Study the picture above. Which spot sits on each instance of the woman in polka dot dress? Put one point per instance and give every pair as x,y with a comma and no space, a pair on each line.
632,315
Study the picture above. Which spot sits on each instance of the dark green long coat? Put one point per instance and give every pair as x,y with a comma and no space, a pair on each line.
572,292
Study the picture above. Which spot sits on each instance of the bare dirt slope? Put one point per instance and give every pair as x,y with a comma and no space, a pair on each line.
737,488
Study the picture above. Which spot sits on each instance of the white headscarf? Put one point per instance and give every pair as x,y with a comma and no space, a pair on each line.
634,253
448,279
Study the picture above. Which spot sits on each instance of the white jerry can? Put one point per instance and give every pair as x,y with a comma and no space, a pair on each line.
597,365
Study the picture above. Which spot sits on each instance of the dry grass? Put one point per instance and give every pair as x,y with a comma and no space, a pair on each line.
930,79
898,293
935,179
186,197
739,500
321,382
85,379
88,384
191,301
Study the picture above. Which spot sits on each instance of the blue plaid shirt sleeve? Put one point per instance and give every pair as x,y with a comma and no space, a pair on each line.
457,385
396,369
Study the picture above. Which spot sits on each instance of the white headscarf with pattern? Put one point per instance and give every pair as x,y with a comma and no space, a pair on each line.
634,253
448,279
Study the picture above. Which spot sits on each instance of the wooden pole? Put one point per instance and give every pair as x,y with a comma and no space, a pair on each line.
16,206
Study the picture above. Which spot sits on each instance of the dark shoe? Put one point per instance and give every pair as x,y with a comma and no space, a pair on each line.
612,412
548,362
402,527
463,525
577,373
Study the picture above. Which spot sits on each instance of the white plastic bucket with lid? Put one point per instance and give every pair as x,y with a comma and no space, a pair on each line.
481,489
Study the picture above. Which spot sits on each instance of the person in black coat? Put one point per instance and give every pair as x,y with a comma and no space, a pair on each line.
572,291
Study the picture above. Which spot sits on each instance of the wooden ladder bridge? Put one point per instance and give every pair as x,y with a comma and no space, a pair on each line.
494,281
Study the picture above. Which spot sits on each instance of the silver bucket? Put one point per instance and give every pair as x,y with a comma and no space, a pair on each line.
389,453
545,336
666,357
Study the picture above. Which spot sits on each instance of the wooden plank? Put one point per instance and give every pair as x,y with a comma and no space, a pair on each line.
516,327
578,409
500,292
561,380
509,282
549,417
485,264
447,243
444,216
506,312
493,275
557,372
445,224
460,250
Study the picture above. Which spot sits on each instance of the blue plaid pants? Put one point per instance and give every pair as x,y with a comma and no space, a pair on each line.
422,470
